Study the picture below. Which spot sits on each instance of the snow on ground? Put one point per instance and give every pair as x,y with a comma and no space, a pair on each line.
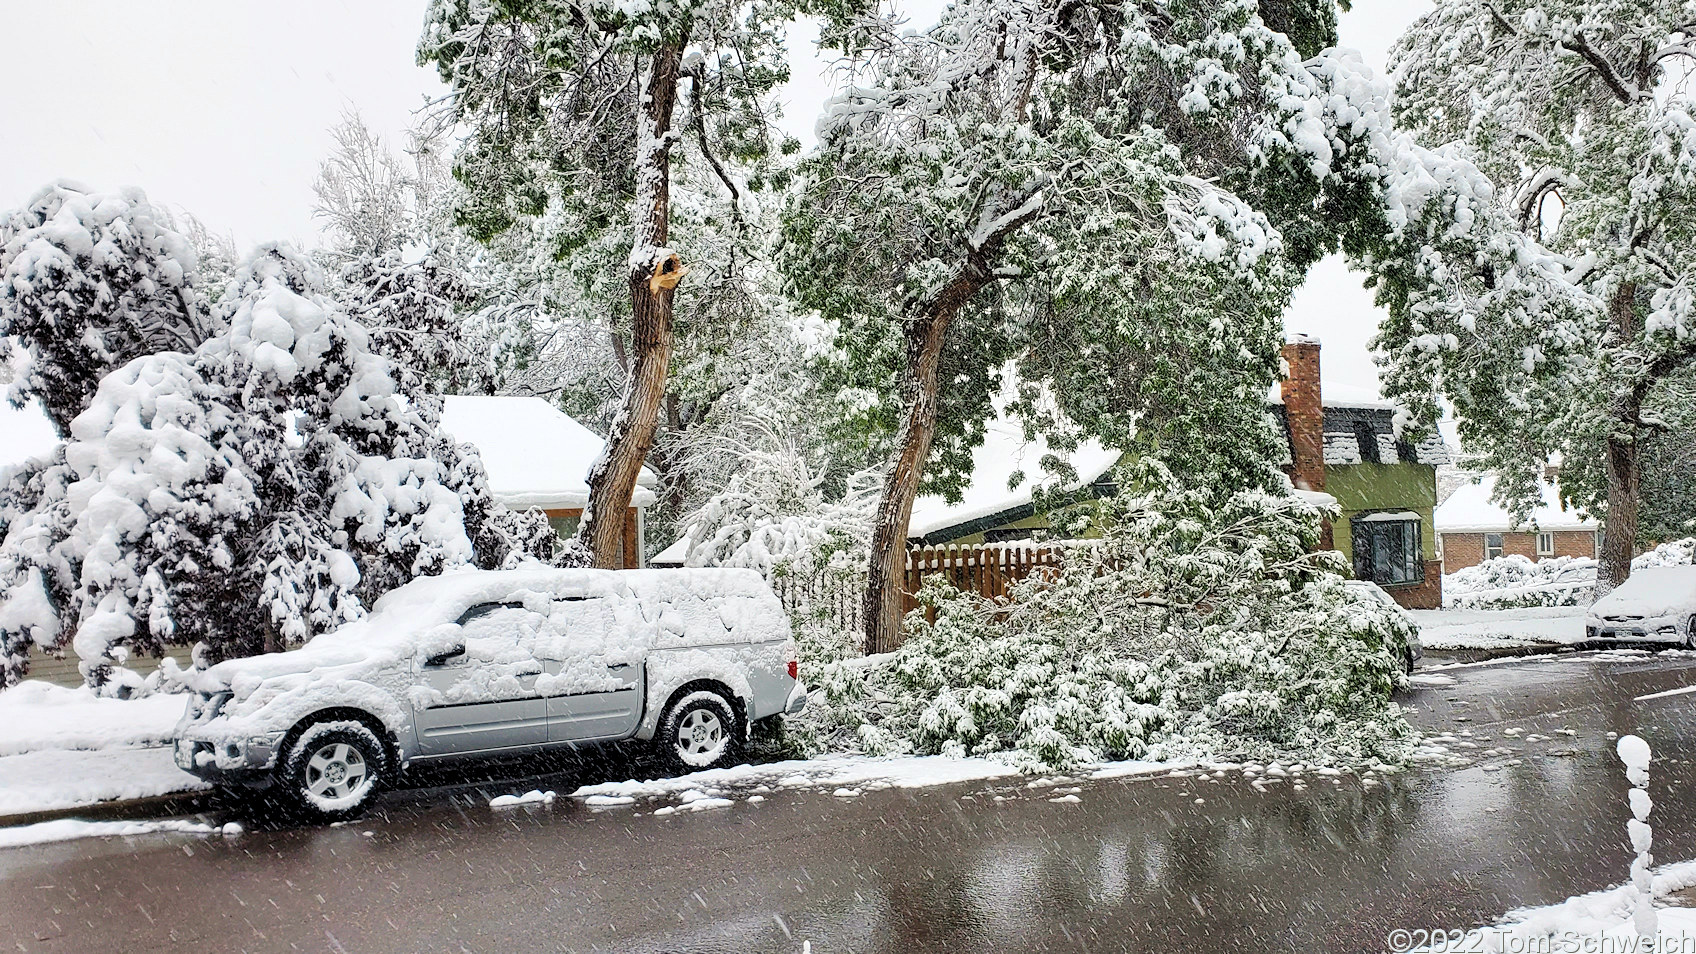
61,778
532,797
1500,629
841,776
1599,921
64,748
68,828
845,772
36,715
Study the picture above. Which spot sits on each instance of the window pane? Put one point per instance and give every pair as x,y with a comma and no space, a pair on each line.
1387,551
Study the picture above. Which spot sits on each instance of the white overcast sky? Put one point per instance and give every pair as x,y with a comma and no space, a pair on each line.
223,108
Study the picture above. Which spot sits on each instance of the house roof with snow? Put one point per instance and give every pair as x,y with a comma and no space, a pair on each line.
1470,509
1360,427
988,500
536,454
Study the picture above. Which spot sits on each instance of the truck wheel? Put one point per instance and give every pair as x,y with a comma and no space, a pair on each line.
701,731
332,771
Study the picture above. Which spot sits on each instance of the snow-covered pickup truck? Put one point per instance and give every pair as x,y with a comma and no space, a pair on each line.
481,663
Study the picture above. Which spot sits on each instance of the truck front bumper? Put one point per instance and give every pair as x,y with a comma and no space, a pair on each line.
227,758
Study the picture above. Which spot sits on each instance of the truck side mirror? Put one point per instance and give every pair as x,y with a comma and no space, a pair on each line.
442,659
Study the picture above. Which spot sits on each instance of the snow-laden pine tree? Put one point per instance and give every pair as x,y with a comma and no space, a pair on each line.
1113,200
1579,112
581,114
89,280
244,495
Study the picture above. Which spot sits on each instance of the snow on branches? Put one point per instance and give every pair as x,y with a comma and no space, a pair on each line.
88,281
247,494
1578,111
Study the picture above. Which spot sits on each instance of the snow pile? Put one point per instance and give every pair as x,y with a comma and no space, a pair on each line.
1517,581
37,715
1500,628
533,797
69,828
1676,553
718,788
1190,630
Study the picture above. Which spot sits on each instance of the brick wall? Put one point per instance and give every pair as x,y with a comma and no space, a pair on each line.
1461,550
1426,595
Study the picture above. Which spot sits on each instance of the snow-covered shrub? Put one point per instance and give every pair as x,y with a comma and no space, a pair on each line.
246,495
1515,580
1512,581
1673,553
1196,626
89,281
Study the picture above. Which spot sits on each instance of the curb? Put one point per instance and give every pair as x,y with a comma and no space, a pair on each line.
153,806
1505,652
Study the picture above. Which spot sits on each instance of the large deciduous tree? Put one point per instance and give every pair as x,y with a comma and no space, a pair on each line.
579,110
1579,113
1112,203
1034,186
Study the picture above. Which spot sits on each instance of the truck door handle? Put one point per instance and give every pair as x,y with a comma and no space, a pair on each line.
617,666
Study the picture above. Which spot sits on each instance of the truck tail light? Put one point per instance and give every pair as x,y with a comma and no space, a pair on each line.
794,669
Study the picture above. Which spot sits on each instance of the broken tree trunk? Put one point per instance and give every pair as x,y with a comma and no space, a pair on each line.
654,273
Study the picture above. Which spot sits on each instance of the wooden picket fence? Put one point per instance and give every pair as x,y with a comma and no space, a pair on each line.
987,569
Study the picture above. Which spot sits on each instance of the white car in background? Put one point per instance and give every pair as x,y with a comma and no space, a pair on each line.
482,663
1655,604
1414,651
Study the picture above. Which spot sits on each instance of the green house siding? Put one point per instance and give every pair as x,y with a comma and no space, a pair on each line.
1363,488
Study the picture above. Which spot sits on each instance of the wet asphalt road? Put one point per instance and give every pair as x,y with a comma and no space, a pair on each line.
1138,865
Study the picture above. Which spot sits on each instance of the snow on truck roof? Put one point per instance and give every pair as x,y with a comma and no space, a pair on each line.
1471,509
536,454
409,617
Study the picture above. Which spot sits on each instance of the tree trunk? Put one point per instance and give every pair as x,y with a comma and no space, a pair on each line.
1625,469
886,575
1619,533
654,273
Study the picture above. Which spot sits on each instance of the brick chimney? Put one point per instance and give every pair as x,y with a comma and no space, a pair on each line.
1305,409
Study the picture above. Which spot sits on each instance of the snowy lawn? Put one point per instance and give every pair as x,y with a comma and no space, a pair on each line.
64,748
37,715
55,779
69,828
1500,629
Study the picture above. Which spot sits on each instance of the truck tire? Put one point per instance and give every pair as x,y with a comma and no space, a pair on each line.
332,771
700,731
